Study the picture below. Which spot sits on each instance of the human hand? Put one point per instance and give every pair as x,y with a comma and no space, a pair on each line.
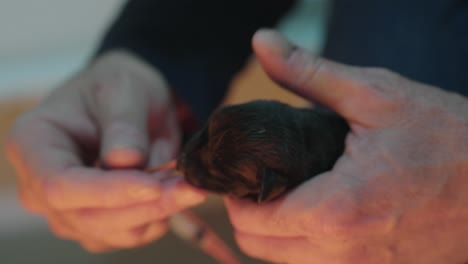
118,111
398,194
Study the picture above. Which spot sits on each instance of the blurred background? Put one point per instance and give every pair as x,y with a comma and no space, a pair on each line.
44,42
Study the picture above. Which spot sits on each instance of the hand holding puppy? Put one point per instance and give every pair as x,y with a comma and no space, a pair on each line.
399,193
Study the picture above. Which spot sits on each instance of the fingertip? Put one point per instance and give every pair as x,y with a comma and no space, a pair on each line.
259,37
334,85
268,42
273,51
184,194
189,196
124,157
124,144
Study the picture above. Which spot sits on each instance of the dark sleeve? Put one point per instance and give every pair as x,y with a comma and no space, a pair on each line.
197,45
424,40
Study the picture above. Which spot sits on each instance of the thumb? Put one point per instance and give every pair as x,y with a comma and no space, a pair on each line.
122,113
345,89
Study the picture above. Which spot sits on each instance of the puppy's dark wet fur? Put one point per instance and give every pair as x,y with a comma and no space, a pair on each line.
262,149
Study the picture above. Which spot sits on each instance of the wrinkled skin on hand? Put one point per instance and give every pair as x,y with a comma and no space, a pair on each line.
118,111
398,194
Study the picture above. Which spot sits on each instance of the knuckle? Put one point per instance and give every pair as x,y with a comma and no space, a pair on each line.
384,97
111,62
123,63
103,89
374,89
304,67
383,84
117,58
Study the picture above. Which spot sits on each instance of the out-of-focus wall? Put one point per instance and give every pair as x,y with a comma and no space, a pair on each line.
42,42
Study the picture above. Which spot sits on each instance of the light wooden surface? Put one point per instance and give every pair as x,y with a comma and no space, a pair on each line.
253,83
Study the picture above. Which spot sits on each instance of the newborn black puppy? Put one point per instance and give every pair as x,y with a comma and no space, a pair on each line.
262,149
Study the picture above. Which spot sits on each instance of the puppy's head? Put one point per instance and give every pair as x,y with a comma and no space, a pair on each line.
243,151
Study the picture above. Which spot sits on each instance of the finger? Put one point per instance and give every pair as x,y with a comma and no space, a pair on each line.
266,220
175,197
279,249
39,148
30,200
92,245
29,195
122,113
62,180
181,195
103,240
64,230
59,229
80,187
137,236
350,91
304,210
167,140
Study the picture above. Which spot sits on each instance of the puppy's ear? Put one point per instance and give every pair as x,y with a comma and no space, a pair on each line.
272,185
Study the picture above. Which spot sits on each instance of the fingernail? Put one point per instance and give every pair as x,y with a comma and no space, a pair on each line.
123,157
189,197
274,42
